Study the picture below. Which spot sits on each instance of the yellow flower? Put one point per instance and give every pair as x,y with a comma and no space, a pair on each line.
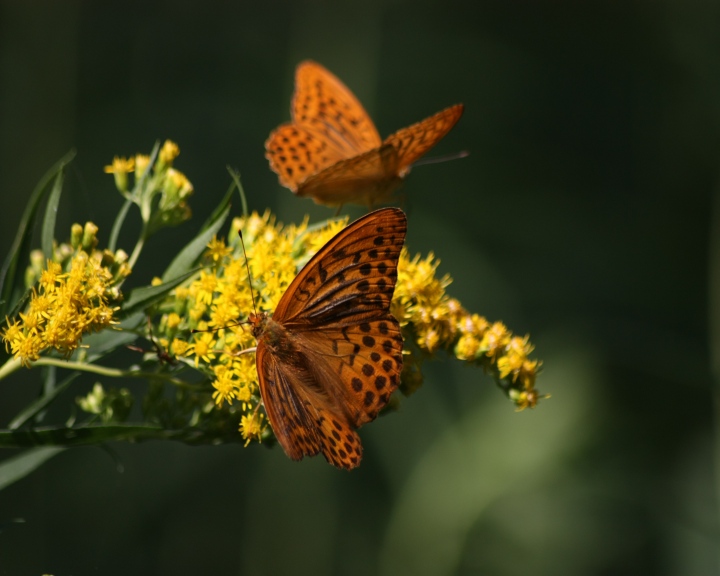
142,161
252,426
495,340
120,165
169,152
217,250
179,347
202,348
225,389
120,169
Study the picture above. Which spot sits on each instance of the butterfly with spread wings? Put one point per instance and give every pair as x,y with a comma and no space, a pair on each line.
331,354
331,150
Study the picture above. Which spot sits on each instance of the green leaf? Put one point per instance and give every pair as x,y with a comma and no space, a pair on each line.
117,225
101,343
21,303
142,298
235,175
17,467
220,208
31,410
188,256
22,237
48,226
62,436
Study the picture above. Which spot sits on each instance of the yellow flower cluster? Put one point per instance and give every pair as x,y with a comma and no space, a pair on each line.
433,321
75,295
170,184
220,295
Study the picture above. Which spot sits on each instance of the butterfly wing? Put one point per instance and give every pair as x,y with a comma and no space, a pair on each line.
302,424
328,125
325,106
333,344
414,141
296,153
351,279
368,179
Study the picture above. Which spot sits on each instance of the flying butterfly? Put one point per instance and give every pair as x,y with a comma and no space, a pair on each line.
331,354
331,150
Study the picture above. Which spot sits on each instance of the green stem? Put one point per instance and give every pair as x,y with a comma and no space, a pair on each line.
112,372
9,367
138,248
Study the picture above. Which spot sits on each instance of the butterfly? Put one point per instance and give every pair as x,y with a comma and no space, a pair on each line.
332,152
331,354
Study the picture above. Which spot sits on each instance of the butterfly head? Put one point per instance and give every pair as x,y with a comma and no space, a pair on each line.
258,321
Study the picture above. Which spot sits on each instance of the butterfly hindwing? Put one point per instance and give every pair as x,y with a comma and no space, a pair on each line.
306,419
296,153
367,359
368,178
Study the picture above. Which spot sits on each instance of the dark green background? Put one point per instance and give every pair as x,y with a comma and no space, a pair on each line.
584,216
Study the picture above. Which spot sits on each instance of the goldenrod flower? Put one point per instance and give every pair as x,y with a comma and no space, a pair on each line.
120,169
65,306
252,426
169,152
203,348
220,295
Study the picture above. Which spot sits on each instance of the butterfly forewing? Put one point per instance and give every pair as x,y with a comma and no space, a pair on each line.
352,278
331,355
324,105
414,141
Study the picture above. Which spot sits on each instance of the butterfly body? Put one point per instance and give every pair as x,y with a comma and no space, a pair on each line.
331,150
331,355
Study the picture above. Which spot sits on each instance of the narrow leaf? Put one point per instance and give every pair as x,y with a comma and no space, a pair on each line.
17,467
141,298
117,225
189,255
48,226
101,343
235,175
22,237
80,436
41,403
220,208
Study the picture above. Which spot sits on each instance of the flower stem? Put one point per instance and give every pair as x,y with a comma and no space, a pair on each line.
9,367
138,247
111,372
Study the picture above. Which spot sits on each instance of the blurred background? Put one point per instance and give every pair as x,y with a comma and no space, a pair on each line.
585,215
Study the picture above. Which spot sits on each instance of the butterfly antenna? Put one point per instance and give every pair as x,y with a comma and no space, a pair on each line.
247,266
445,158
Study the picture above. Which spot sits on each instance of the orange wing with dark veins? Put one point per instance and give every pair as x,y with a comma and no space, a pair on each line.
331,356
303,422
332,152
324,105
351,279
414,141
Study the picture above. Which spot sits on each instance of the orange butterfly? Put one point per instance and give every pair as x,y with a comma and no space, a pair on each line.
331,355
331,151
